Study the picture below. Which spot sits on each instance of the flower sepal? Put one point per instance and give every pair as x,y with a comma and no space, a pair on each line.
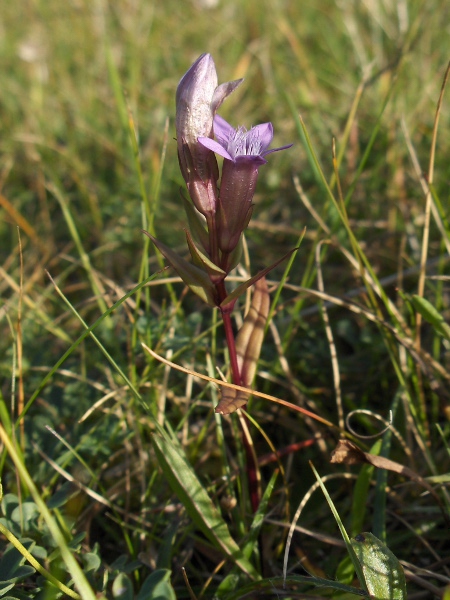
196,224
234,257
200,260
222,92
202,188
195,278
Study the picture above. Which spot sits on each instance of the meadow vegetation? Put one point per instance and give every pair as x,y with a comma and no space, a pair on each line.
117,475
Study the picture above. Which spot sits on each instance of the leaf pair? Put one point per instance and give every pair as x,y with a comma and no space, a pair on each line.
201,275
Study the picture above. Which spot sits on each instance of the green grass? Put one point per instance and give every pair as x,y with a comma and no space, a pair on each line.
141,478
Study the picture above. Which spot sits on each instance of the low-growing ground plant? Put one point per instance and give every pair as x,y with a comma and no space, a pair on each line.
225,367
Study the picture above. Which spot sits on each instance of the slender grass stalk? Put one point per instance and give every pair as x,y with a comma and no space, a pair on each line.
241,388
96,283
351,552
427,209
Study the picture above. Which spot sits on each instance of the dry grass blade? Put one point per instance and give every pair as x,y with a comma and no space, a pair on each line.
428,203
240,388
331,344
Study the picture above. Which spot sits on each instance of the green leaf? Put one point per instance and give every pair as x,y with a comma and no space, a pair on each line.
12,560
91,562
9,503
25,514
277,587
431,314
75,542
382,570
7,582
230,582
67,491
12,568
157,586
359,504
345,571
4,589
184,482
164,558
122,588
259,516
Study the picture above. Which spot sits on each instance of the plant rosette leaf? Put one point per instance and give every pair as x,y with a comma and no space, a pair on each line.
122,588
384,575
157,586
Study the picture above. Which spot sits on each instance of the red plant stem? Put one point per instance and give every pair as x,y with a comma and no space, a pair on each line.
252,468
228,327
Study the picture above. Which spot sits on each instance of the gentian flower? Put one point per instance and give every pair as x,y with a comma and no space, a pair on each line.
197,100
239,144
244,152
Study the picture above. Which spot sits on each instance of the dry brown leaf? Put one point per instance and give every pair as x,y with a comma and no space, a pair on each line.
349,453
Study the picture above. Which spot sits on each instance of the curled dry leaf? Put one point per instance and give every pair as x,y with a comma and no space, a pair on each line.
231,400
349,453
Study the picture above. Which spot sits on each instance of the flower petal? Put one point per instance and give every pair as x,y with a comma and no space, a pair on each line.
214,146
277,149
222,91
263,132
223,130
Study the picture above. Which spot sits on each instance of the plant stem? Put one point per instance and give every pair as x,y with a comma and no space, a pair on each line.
252,468
228,327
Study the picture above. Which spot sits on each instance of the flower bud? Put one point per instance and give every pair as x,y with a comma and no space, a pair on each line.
194,116
197,100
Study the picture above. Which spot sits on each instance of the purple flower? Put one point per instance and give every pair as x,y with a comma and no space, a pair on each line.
197,99
239,144
244,152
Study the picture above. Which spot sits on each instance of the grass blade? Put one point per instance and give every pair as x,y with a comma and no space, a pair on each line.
198,504
351,552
